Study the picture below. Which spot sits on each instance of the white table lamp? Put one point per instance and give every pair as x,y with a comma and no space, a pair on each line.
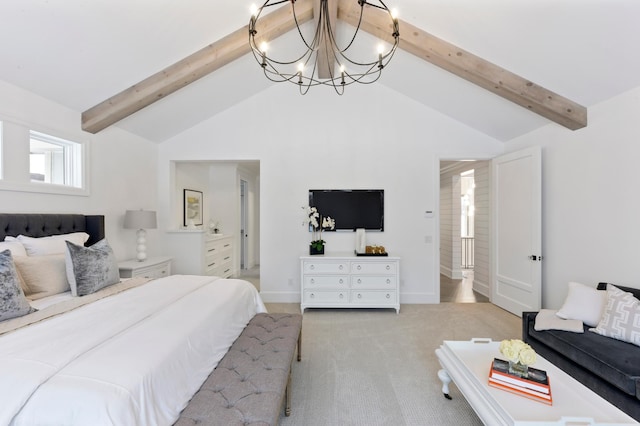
140,220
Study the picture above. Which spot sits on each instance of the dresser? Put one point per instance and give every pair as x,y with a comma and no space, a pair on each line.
196,252
348,281
154,267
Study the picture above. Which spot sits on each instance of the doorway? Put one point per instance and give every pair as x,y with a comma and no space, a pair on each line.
464,268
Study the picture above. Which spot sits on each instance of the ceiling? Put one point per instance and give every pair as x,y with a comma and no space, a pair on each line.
80,52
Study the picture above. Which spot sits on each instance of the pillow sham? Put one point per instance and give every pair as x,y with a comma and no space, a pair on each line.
91,268
621,319
16,248
583,303
13,303
54,244
42,275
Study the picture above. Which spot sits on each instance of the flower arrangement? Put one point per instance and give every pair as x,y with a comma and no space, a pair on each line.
517,351
317,223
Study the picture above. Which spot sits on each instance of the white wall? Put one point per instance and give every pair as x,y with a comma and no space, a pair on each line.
122,169
590,221
371,137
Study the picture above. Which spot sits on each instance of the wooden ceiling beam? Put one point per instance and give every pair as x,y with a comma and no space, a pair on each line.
468,66
191,68
412,39
326,59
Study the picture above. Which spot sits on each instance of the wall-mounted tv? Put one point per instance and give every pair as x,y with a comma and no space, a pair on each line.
351,208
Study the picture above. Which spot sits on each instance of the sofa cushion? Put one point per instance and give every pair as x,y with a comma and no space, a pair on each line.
612,360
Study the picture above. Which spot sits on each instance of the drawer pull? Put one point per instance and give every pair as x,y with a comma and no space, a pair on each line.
312,295
226,270
359,267
210,250
313,281
359,281
388,267
227,258
211,264
312,267
341,296
359,296
341,281
388,281
388,296
227,245
341,267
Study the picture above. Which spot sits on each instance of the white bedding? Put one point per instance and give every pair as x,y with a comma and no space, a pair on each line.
134,358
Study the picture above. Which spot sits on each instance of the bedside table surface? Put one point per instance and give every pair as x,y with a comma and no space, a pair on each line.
151,261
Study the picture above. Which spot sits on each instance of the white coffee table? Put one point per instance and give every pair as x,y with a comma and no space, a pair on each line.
467,363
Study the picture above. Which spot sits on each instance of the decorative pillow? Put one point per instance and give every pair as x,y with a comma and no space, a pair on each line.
91,268
54,244
16,248
42,275
583,303
621,319
548,320
12,301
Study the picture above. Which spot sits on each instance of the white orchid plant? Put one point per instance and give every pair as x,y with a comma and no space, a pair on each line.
318,223
515,350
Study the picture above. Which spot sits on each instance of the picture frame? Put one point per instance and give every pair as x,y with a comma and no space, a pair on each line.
192,203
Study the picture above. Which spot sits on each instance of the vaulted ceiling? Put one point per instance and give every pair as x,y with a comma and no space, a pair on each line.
80,53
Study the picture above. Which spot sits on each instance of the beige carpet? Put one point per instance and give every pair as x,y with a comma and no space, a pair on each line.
374,367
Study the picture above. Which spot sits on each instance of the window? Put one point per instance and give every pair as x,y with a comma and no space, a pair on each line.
54,160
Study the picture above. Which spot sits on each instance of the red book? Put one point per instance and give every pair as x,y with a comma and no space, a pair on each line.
527,393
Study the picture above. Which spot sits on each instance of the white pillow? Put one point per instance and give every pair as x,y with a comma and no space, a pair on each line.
15,247
54,244
42,275
583,303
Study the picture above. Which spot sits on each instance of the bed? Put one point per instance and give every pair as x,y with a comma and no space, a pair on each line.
132,353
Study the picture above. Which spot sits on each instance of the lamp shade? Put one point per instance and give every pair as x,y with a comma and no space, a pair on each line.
140,219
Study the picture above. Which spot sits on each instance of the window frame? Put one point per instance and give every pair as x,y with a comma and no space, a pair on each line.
23,183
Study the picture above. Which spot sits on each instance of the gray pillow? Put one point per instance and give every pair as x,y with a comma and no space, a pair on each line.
91,268
13,303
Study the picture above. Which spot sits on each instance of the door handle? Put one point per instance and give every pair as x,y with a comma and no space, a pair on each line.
535,258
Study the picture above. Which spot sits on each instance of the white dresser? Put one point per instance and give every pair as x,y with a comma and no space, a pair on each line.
349,281
196,252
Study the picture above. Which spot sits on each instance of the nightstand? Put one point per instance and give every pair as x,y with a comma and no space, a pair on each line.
154,267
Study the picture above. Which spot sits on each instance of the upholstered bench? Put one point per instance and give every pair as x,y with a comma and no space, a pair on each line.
251,381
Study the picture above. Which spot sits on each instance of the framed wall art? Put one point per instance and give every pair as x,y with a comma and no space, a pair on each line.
192,207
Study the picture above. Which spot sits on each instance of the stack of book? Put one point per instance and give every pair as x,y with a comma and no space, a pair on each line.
535,386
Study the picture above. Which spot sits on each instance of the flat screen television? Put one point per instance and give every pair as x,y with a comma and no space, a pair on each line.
351,208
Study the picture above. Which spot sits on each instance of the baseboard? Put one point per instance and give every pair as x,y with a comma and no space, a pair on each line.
481,287
280,296
294,297
450,273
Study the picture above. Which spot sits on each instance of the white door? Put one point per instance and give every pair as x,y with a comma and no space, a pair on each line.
517,228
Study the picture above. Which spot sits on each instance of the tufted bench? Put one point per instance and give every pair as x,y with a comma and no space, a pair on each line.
251,381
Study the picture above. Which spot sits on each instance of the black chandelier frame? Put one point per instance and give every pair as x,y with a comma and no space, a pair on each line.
351,71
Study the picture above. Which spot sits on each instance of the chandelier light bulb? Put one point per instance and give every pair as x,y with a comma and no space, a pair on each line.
394,14
253,10
264,46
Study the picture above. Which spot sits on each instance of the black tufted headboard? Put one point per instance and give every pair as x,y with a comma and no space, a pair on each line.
43,225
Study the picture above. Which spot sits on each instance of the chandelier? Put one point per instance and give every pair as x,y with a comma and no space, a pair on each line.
323,59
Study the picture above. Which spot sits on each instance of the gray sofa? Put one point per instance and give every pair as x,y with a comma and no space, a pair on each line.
611,368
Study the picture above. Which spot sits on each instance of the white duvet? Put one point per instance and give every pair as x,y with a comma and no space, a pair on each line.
134,358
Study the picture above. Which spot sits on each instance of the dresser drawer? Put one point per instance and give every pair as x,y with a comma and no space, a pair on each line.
312,296
325,267
373,267
217,247
364,282
373,297
326,281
